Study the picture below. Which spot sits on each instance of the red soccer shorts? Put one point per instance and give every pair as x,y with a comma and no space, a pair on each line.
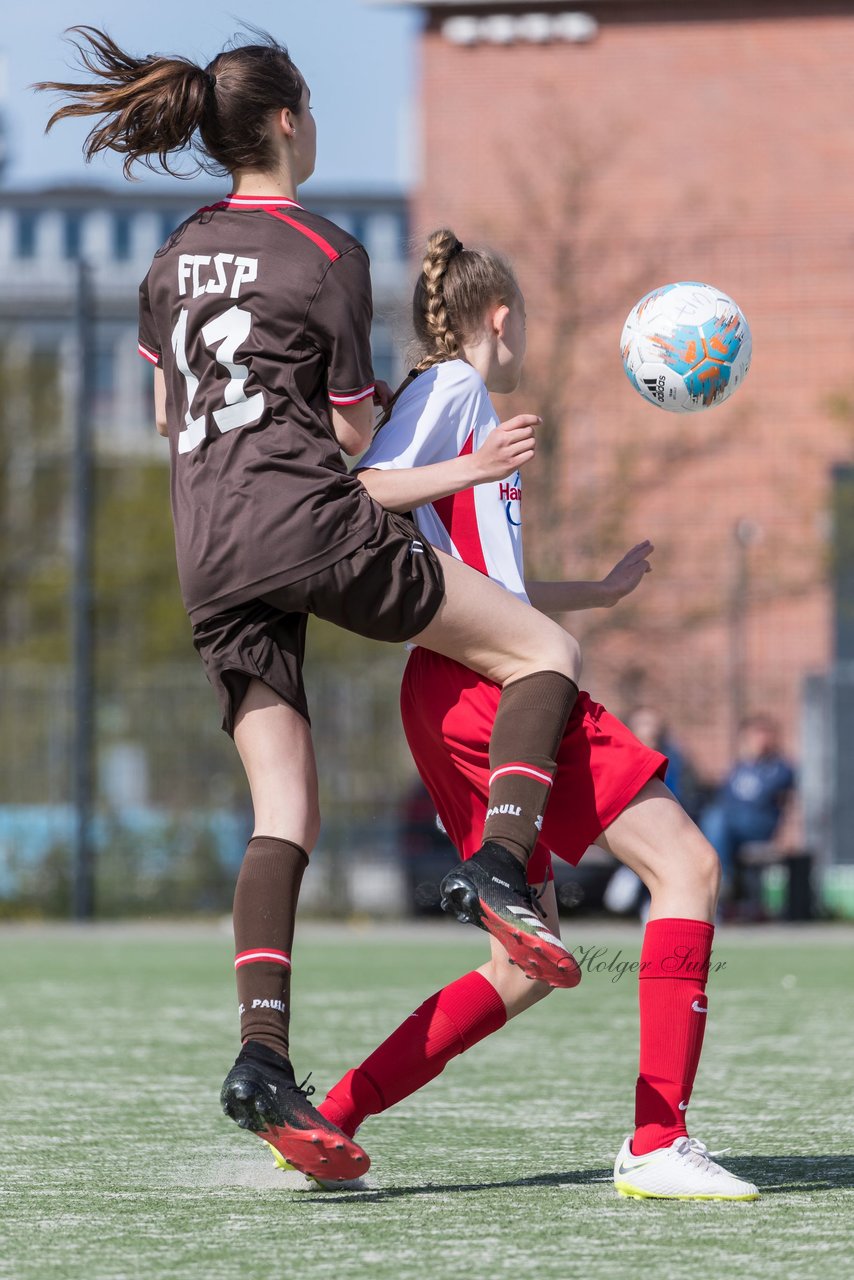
448,712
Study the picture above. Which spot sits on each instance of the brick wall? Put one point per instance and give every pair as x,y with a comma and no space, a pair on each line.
710,150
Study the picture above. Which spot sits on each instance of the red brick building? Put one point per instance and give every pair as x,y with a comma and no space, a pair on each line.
615,150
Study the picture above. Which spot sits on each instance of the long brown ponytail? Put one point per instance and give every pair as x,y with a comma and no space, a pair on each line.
155,107
454,289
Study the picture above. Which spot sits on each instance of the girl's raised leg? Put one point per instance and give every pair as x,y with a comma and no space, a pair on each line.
538,664
447,1024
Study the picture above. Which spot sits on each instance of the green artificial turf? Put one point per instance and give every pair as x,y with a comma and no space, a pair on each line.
117,1164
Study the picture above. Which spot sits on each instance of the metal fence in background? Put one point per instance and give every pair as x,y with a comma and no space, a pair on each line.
171,811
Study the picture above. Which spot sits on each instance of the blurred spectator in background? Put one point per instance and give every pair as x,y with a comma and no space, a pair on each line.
749,806
648,724
625,893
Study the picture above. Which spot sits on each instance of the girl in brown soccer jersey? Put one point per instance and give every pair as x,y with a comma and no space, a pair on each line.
608,787
256,317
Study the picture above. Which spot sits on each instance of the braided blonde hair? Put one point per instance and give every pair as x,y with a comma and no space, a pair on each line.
455,288
452,293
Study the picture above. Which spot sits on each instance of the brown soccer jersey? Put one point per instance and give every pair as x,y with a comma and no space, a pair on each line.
259,313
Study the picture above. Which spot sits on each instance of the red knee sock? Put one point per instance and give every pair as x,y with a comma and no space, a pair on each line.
672,997
447,1024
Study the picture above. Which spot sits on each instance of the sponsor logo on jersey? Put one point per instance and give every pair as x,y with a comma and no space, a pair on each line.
508,494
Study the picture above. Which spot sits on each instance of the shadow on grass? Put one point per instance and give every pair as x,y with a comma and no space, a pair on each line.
774,1175
573,1177
787,1175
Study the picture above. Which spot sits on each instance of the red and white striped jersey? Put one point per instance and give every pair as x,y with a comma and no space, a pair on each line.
445,413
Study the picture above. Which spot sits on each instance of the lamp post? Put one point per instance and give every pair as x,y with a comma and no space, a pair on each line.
746,533
82,477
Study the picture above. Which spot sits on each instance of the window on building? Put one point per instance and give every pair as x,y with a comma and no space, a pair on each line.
404,244
105,366
122,223
104,374
26,229
359,226
168,223
72,235
384,355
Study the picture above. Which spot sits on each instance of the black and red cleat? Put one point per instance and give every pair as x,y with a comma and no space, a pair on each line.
260,1093
491,891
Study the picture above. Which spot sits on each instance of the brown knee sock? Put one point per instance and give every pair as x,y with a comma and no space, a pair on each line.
265,905
528,729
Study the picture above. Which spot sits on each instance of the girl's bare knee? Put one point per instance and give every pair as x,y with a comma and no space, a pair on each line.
709,868
302,829
561,652
312,831
573,658
696,871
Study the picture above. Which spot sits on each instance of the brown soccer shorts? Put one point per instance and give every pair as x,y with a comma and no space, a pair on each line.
388,589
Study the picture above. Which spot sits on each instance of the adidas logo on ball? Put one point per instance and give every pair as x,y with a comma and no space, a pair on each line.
655,387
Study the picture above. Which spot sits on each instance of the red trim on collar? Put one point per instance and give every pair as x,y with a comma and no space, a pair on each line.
258,202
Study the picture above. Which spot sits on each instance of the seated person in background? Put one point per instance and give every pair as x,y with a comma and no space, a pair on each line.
750,803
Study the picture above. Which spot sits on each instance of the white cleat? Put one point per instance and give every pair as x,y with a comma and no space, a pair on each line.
683,1171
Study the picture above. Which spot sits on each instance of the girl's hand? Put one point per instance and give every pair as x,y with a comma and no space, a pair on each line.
382,394
507,448
627,573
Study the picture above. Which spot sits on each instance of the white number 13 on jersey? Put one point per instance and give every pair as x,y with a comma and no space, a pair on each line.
229,330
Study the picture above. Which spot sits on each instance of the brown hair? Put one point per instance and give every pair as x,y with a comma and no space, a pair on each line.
157,105
454,289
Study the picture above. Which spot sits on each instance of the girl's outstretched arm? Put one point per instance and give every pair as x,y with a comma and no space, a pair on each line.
506,449
570,597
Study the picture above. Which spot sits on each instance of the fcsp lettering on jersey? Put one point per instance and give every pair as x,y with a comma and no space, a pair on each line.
204,273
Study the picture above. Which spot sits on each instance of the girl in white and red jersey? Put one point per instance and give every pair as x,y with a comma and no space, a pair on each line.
608,789
256,316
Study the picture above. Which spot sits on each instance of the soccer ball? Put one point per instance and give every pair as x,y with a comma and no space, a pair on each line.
686,347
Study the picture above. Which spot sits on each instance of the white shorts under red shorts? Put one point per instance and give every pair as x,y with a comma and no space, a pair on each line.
448,712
